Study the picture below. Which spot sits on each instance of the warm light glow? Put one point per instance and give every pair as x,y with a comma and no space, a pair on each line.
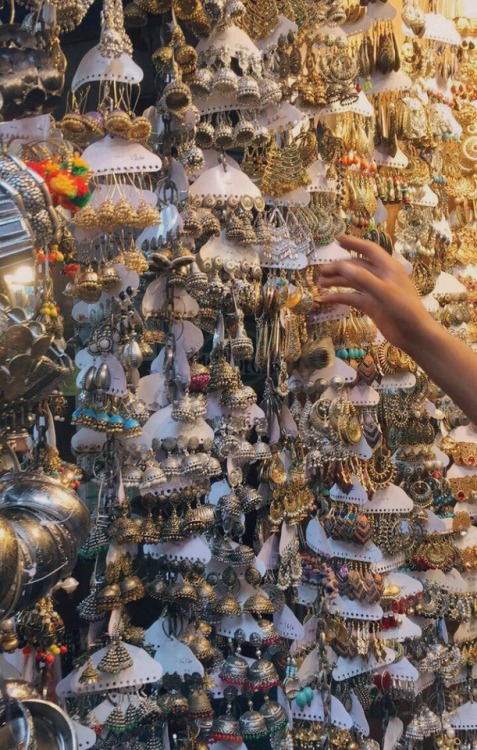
23,276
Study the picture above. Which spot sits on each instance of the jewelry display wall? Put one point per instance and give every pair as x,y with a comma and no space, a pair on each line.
281,550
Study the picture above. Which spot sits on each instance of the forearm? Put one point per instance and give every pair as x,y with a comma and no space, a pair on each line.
448,362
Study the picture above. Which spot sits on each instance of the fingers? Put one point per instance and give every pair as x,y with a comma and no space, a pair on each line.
359,262
335,269
374,253
335,280
353,299
354,275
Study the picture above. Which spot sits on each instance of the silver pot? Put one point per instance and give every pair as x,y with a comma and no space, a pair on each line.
43,525
37,491
16,726
49,727
9,556
45,556
53,729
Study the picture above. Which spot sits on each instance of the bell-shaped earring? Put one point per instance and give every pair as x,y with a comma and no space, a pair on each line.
241,345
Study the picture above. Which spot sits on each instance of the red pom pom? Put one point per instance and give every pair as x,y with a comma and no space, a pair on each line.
81,186
38,166
63,650
26,650
49,658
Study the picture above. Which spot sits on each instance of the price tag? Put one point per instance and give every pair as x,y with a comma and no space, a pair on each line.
86,736
393,734
26,129
172,655
269,554
114,623
358,716
309,668
403,670
288,625
309,633
287,537
287,422
285,703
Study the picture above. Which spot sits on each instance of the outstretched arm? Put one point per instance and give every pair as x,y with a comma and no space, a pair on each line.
378,285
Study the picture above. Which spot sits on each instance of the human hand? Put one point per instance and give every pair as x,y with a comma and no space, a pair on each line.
378,285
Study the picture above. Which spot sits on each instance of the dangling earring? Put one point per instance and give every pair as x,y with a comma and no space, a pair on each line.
241,345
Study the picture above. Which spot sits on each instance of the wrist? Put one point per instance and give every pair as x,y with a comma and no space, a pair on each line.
425,333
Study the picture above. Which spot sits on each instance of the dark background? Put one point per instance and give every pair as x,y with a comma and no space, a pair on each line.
145,41
76,43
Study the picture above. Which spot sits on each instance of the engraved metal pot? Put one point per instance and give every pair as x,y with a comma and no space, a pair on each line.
42,526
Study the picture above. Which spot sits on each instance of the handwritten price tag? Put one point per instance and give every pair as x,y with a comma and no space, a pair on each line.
288,625
269,554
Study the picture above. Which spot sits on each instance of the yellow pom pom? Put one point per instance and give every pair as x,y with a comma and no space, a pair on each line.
78,163
51,166
63,185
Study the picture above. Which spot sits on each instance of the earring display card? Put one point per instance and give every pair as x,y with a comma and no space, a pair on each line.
282,528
